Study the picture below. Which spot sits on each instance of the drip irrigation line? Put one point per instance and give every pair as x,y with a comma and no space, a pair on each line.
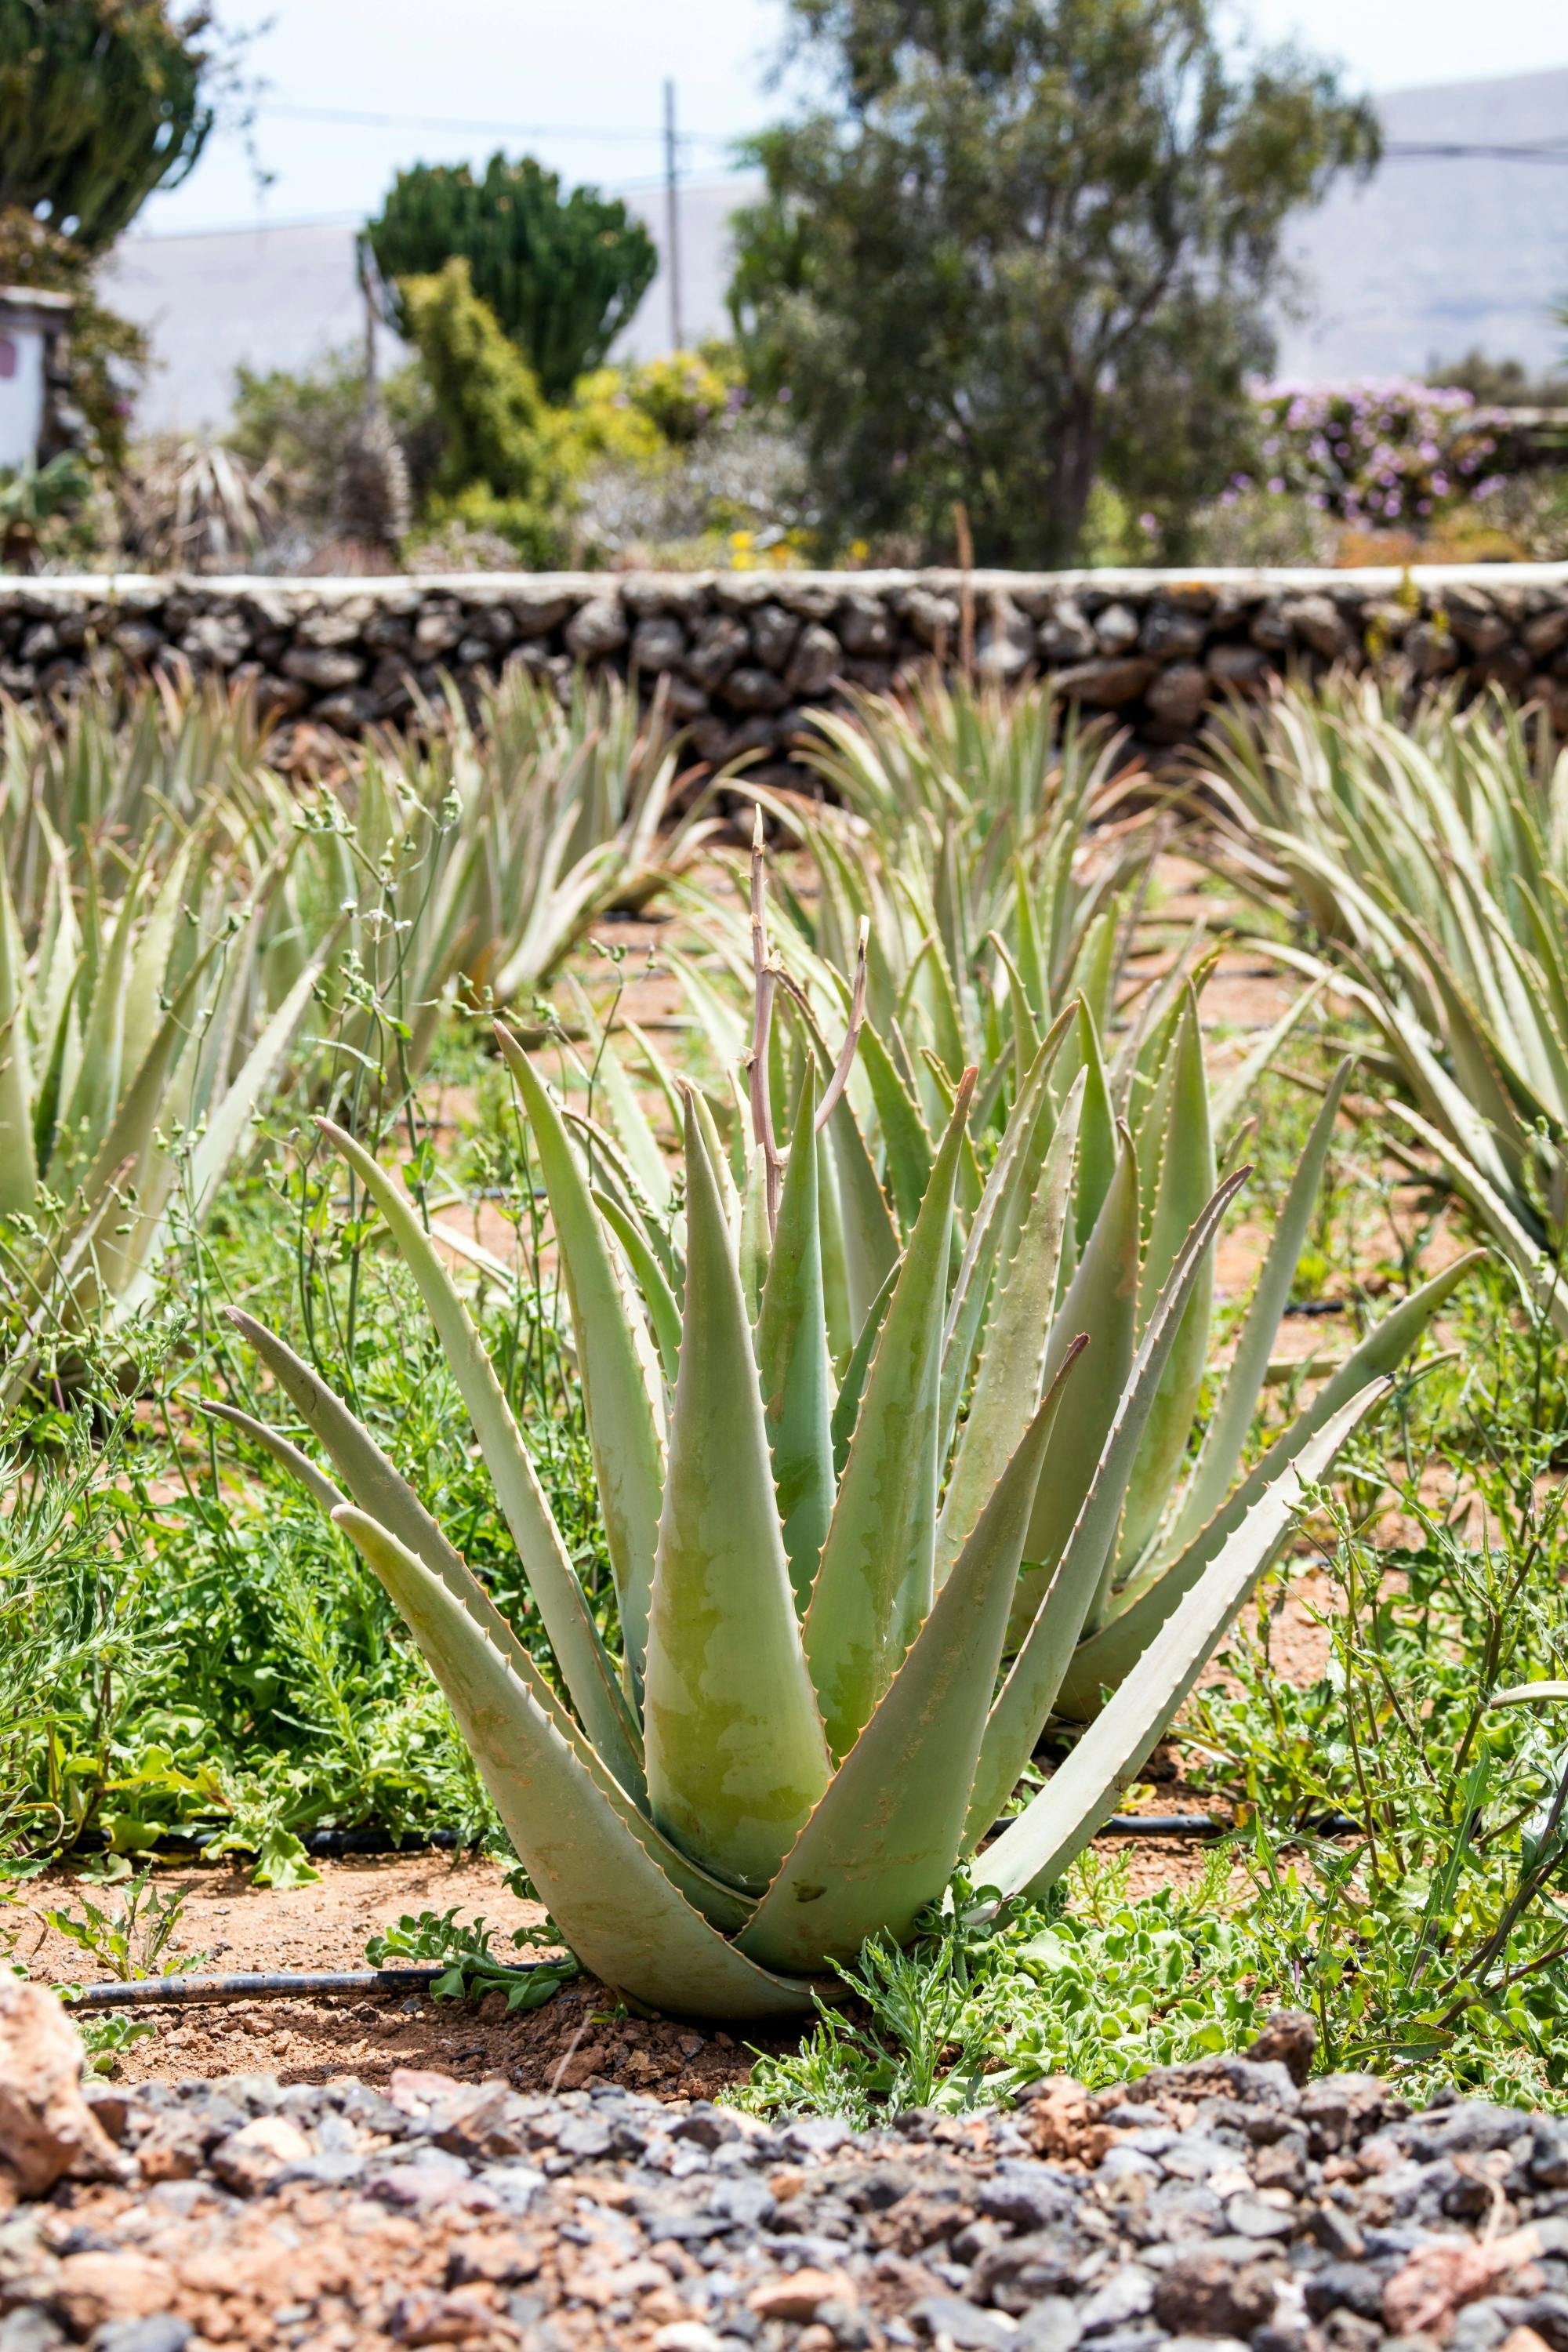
281,1984
331,1845
173,1992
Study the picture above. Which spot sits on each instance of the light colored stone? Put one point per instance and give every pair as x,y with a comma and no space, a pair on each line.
1117,629
1004,642
436,631
251,2159
91,2289
46,2129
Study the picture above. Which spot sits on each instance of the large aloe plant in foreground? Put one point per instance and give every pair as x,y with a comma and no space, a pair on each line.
817,1707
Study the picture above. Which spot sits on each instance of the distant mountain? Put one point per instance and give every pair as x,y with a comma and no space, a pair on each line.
1434,255
1439,254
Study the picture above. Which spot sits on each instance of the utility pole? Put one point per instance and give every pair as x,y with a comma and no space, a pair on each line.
672,217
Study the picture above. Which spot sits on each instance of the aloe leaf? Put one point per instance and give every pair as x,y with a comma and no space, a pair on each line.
994,1227
870,1242
907,1146
290,1458
1103,1300
617,1911
1020,1339
793,1360
1032,1853
883,1840
841,1326
663,1307
148,968
1101,1662
1029,1693
1186,1181
733,1741
132,1131
620,1379
1226,1434
228,1130
1097,1150
100,1072
876,1584
19,1167
852,1387
377,1489
568,1621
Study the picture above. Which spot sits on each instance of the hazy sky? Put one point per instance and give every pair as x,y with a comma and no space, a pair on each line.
581,85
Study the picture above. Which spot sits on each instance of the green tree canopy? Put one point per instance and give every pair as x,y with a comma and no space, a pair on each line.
100,102
563,275
1028,242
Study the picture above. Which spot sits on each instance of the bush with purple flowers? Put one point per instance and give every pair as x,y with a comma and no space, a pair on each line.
1376,454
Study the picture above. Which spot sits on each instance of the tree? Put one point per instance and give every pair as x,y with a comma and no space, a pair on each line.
1029,243
563,275
100,102
503,465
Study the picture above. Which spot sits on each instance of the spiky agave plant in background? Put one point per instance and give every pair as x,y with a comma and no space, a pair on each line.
1431,857
817,1707
133,1067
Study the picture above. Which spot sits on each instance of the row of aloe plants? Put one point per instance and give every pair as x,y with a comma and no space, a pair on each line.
906,1429
182,931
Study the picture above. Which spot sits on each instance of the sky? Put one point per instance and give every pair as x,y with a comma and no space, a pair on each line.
581,85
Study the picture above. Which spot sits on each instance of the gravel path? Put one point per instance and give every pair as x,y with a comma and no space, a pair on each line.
1211,2206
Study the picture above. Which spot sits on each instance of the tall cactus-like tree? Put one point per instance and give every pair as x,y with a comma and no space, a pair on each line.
101,102
562,274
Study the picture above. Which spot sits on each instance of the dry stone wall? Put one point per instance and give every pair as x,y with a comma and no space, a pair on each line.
743,654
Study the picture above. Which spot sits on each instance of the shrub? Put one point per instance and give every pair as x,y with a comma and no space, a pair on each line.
562,276
1371,453
503,457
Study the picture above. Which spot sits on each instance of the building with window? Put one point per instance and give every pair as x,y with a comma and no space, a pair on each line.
31,325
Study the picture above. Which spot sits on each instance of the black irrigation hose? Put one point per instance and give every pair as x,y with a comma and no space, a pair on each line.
1200,1826
282,1984
331,1845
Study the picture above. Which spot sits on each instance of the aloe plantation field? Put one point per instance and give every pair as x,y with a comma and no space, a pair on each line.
844,1445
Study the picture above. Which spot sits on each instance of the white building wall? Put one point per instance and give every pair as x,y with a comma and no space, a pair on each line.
21,394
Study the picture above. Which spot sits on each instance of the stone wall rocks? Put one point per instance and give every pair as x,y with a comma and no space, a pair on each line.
741,656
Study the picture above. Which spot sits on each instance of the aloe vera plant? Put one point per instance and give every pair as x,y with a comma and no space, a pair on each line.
1431,858
823,1690
131,1076
474,861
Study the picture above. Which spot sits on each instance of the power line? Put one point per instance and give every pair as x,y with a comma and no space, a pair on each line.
1547,150
378,121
